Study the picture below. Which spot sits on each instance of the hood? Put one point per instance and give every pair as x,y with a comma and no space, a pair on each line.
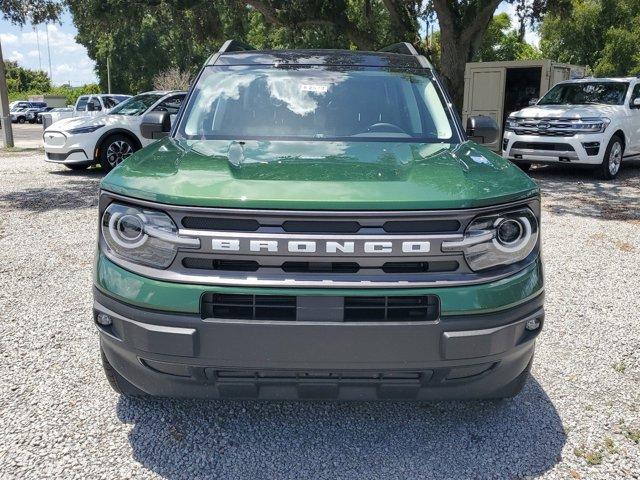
568,111
322,175
75,122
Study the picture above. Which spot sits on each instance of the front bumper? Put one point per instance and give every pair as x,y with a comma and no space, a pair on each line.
68,149
459,356
578,149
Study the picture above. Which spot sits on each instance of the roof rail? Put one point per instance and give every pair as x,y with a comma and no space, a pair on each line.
403,48
234,46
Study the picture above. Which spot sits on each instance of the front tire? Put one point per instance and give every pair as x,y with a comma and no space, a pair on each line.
114,150
612,161
21,120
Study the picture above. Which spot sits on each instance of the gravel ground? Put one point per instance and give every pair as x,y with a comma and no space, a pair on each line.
578,416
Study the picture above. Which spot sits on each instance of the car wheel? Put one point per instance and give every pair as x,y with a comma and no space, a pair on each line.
121,385
77,168
114,150
612,161
21,120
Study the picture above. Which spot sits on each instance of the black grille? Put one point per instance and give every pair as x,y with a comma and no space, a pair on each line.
302,226
218,264
248,307
320,267
353,309
418,267
399,309
421,226
560,147
231,224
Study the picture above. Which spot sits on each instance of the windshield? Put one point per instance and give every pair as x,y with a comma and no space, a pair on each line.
316,102
607,93
136,105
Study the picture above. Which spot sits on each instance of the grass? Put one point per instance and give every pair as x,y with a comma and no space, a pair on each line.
632,434
619,367
592,457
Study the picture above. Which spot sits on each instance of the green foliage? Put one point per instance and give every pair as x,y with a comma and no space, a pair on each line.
20,79
500,43
71,93
602,34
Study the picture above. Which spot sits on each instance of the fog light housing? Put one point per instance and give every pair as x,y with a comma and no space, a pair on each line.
103,319
532,324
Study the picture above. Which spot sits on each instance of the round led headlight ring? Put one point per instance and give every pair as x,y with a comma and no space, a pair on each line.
127,230
512,233
509,231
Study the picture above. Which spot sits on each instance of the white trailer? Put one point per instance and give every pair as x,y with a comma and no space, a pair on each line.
496,89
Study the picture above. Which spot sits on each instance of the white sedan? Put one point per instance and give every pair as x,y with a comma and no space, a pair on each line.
106,139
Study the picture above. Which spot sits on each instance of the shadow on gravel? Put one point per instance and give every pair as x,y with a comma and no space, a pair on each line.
576,191
80,190
248,440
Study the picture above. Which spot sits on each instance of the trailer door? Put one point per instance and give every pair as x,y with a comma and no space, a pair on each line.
484,95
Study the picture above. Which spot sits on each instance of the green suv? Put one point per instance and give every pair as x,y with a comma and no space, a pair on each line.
316,224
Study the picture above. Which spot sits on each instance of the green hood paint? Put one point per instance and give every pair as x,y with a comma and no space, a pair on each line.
319,175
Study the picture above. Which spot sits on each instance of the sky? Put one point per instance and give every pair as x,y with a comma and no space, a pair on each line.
69,60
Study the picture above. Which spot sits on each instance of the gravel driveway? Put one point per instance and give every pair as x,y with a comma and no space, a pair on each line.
578,417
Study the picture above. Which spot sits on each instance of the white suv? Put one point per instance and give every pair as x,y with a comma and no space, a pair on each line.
109,138
592,121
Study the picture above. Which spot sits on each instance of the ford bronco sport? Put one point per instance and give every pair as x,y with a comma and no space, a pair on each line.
317,225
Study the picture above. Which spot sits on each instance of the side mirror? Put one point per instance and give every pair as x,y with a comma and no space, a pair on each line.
155,125
482,129
635,103
533,101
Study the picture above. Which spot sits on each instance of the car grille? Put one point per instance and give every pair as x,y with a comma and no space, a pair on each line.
417,308
559,147
412,254
321,267
548,127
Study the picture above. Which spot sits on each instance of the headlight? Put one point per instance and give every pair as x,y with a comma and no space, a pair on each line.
591,125
143,236
499,239
90,129
510,124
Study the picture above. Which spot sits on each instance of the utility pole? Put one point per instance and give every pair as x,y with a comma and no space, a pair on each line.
49,52
5,119
35,27
108,75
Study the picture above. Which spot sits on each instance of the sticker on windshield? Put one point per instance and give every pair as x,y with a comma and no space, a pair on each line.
314,88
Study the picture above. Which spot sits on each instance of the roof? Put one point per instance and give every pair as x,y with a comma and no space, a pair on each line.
344,58
596,79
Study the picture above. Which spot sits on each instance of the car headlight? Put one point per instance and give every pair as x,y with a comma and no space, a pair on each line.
510,124
497,239
591,125
89,129
141,235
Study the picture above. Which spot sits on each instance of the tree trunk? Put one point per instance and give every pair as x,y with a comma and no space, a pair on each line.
460,38
453,58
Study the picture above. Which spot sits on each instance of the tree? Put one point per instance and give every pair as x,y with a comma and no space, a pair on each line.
601,34
501,43
172,79
21,79
144,38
